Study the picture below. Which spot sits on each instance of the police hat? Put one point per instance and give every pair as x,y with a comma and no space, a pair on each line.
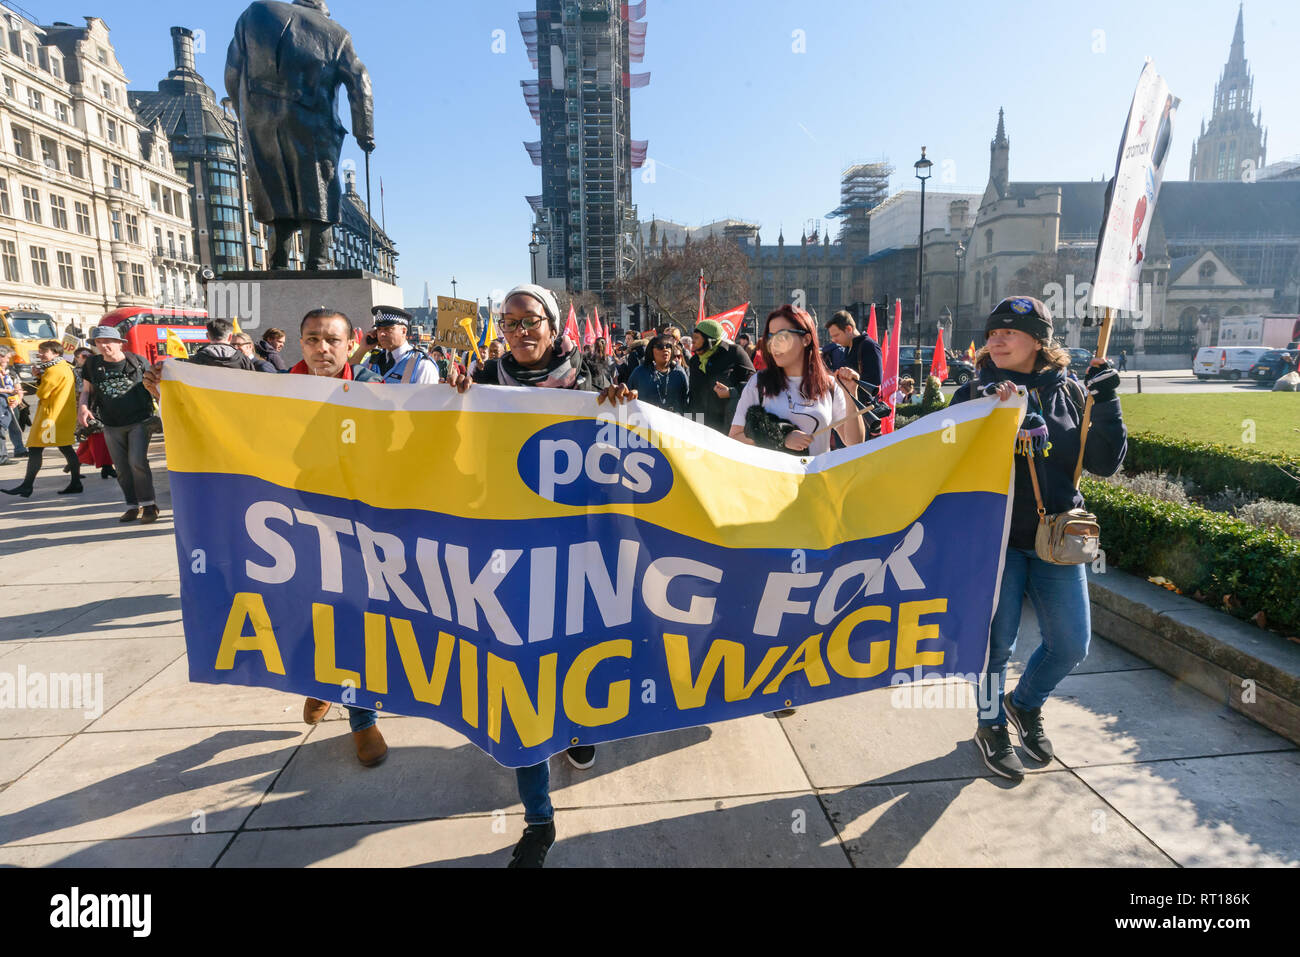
391,316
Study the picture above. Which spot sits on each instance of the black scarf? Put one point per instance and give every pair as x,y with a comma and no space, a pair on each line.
564,370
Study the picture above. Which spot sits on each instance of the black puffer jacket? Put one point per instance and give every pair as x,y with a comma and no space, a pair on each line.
1060,403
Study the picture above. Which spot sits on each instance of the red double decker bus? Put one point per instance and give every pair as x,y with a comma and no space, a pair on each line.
145,329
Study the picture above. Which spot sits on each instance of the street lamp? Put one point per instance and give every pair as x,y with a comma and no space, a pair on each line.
922,167
960,253
453,287
533,247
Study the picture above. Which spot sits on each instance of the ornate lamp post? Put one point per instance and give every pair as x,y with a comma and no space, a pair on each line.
922,167
533,247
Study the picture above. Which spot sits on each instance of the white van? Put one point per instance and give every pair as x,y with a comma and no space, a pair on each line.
1225,362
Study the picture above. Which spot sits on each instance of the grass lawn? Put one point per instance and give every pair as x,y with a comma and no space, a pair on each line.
1220,417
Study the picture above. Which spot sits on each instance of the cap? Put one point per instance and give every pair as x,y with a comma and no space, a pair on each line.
710,329
105,332
1021,312
390,316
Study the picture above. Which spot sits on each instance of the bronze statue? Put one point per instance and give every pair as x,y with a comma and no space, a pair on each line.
283,72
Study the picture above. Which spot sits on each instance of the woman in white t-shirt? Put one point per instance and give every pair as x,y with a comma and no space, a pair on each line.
797,387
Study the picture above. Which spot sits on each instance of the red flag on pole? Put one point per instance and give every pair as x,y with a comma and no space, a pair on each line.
699,315
939,364
890,386
600,330
588,333
871,325
731,320
571,327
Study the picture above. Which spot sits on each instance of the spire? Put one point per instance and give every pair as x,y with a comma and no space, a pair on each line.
1238,52
1000,139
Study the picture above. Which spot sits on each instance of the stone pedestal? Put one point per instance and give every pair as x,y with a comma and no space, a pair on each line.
262,300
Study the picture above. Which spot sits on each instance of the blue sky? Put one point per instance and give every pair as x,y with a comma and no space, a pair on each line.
739,123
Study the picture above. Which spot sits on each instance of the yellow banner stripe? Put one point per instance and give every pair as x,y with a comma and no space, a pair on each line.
464,463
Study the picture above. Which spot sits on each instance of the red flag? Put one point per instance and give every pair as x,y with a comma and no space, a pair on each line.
871,324
599,329
571,327
699,315
731,320
588,333
939,364
890,385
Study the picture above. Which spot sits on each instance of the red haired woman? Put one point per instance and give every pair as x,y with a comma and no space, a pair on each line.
796,386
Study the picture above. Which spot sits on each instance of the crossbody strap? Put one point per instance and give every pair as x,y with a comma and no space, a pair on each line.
1038,494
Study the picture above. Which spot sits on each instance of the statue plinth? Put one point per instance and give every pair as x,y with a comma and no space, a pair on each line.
263,299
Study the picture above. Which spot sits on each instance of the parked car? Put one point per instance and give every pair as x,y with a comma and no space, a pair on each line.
1079,360
1272,365
1226,362
960,371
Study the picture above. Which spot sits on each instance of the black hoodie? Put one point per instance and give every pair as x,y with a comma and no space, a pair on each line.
223,355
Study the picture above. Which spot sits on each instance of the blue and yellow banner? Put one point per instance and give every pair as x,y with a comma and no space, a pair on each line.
537,571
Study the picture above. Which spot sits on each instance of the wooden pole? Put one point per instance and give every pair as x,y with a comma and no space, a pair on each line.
1103,343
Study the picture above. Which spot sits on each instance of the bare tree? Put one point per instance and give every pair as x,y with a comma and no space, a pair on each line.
669,279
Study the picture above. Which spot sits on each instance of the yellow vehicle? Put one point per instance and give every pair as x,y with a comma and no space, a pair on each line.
22,328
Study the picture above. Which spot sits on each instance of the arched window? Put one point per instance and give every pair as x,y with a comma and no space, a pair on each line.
988,241
986,286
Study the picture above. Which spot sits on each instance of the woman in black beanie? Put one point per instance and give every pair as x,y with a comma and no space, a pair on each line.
1019,352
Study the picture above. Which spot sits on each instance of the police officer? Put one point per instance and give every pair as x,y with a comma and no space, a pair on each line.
396,360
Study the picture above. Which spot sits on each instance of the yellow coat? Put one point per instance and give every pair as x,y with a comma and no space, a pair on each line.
56,408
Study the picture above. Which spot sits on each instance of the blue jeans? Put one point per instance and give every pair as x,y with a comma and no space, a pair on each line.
1060,597
9,423
360,718
535,793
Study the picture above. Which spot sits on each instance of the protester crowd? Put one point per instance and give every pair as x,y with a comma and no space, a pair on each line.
800,389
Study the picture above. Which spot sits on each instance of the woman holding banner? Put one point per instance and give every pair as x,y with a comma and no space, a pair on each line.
1019,353
540,357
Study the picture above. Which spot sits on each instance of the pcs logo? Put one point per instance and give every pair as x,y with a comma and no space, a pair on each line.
587,462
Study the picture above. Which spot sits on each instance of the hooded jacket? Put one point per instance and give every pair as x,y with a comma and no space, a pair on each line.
1060,404
222,355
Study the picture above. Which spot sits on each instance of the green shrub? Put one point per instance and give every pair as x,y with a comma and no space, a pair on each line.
933,400
1200,550
1213,466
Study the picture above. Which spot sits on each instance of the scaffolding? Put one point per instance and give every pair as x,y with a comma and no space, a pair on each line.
583,51
863,187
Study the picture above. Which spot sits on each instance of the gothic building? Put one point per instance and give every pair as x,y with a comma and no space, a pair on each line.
1232,147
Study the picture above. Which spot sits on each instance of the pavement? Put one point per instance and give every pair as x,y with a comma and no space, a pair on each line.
1149,773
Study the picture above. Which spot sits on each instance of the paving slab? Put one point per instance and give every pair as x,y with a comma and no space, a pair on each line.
33,610
59,699
916,732
193,850
136,610
169,700
432,771
115,666
1237,811
132,558
1047,820
777,830
20,755
1133,716
139,783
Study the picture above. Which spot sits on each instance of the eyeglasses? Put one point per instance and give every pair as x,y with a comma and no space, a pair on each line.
514,325
777,336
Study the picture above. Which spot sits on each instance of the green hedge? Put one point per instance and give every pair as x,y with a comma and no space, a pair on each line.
1214,467
1200,550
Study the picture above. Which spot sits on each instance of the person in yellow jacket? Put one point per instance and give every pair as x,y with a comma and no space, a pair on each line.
55,422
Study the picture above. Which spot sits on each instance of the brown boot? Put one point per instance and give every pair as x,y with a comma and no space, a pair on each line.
313,710
371,747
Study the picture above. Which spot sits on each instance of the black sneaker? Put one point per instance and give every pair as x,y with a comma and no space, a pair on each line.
532,847
582,757
1029,725
997,753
